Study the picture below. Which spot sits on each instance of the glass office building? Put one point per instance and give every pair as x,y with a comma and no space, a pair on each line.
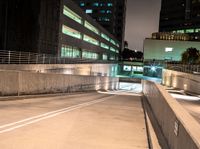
57,27
181,16
110,14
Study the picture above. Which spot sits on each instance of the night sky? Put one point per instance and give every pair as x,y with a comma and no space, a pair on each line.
142,20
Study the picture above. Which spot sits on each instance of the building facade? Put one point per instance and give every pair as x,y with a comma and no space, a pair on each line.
181,16
57,27
170,50
111,14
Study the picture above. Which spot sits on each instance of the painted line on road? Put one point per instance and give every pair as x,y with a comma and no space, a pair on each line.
44,116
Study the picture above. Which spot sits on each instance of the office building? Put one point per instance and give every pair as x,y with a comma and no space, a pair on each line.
181,16
111,14
54,27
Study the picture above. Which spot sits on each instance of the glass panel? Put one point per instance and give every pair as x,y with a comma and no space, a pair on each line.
112,49
180,31
105,36
71,32
105,46
189,30
69,13
91,27
109,4
69,51
112,57
114,43
197,30
89,55
91,40
88,11
105,57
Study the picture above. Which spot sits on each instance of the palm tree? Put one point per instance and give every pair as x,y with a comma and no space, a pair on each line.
191,56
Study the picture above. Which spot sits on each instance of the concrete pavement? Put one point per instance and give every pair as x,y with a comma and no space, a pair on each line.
193,107
85,121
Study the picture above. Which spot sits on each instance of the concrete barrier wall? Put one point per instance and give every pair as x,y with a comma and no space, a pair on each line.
179,128
76,69
24,83
184,81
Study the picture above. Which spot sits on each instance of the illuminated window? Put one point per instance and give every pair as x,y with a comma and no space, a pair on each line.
114,43
91,27
105,36
105,57
69,51
96,4
197,30
140,69
109,4
90,40
108,11
112,57
82,4
102,11
69,13
105,19
112,49
105,46
168,49
180,31
117,51
134,68
89,55
71,32
127,68
189,31
88,11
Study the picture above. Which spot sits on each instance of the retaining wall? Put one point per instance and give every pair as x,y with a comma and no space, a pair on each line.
179,128
180,80
26,83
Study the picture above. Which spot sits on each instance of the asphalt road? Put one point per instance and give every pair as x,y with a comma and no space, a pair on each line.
83,121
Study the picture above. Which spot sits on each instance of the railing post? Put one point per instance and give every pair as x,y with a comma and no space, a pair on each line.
43,58
37,59
20,57
8,57
29,54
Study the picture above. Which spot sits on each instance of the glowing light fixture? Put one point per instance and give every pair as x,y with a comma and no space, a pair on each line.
168,49
153,68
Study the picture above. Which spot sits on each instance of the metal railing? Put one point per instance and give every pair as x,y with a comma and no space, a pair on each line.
184,68
18,57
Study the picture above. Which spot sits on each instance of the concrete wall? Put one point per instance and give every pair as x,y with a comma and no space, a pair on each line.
155,49
24,83
169,114
77,69
180,80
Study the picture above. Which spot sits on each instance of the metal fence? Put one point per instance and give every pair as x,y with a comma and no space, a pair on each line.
17,57
184,68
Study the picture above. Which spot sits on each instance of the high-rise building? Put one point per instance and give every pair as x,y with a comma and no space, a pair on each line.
56,27
181,16
111,14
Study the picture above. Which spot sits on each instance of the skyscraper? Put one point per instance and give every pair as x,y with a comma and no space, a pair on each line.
111,14
181,16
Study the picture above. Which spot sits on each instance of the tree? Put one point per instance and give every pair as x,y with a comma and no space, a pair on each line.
128,54
191,56
125,44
